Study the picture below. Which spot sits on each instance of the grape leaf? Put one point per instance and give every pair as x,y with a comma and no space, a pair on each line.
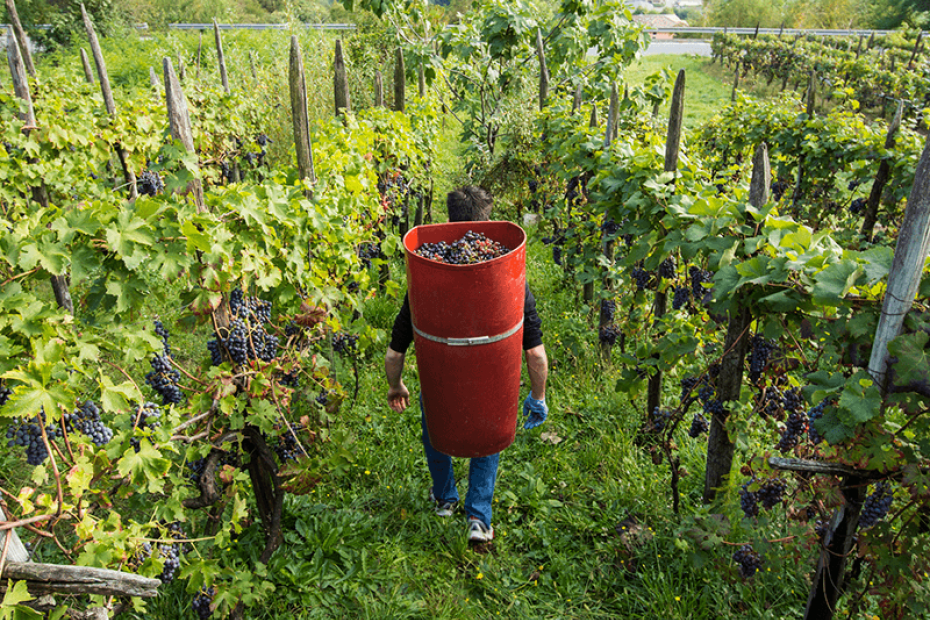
912,362
860,401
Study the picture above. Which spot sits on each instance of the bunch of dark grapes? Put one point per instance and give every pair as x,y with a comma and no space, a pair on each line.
687,386
163,333
368,251
750,562
759,354
246,338
854,184
28,435
711,406
571,189
876,505
815,413
795,426
150,183
344,343
470,249
771,492
286,446
291,379
698,278
793,401
262,140
608,334
771,401
164,380
148,418
557,255
681,297
171,554
644,279
659,420
608,310
5,394
323,398
610,228
202,601
779,188
748,500
699,426
857,206
667,268
86,420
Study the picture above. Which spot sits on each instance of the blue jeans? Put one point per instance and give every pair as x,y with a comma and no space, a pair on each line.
482,474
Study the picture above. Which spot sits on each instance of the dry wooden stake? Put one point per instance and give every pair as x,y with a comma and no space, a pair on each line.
88,72
543,70
21,39
300,114
180,123
340,82
379,90
400,81
219,54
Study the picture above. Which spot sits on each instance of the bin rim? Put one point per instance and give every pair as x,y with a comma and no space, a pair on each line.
483,264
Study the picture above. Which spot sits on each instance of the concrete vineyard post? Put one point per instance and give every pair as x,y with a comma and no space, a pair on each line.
88,72
20,36
577,99
400,83
613,114
128,175
153,78
298,87
340,83
180,123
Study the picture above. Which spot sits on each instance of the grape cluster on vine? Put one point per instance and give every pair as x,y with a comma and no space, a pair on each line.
202,602
150,183
610,228
698,277
163,378
28,435
876,505
643,279
246,338
86,420
608,334
748,501
779,188
171,553
761,350
857,206
344,343
5,393
687,387
750,561
699,426
771,492
793,400
814,414
667,268
795,427
681,297
771,401
470,249
659,420
368,251
286,446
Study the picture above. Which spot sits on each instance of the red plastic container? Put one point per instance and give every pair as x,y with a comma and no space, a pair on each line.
468,333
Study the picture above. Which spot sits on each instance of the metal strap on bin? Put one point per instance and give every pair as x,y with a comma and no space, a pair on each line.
470,342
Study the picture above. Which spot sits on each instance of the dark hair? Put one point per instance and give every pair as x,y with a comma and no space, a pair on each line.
469,204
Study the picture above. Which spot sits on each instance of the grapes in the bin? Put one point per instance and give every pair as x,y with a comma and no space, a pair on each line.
472,248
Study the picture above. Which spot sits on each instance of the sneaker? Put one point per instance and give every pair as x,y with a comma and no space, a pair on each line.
443,509
478,532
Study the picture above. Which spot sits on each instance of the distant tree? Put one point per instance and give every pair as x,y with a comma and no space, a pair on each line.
891,14
745,13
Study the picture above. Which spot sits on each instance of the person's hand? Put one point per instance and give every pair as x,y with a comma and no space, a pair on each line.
398,398
535,411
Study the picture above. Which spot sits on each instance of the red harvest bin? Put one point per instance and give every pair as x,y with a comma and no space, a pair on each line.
468,333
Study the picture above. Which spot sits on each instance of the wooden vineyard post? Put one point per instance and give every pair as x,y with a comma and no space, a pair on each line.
39,192
379,90
153,78
672,147
128,176
610,135
221,59
340,83
400,81
180,123
859,46
300,114
906,269
881,177
735,82
910,63
42,578
88,72
720,447
421,80
577,99
543,70
182,75
592,121
20,38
